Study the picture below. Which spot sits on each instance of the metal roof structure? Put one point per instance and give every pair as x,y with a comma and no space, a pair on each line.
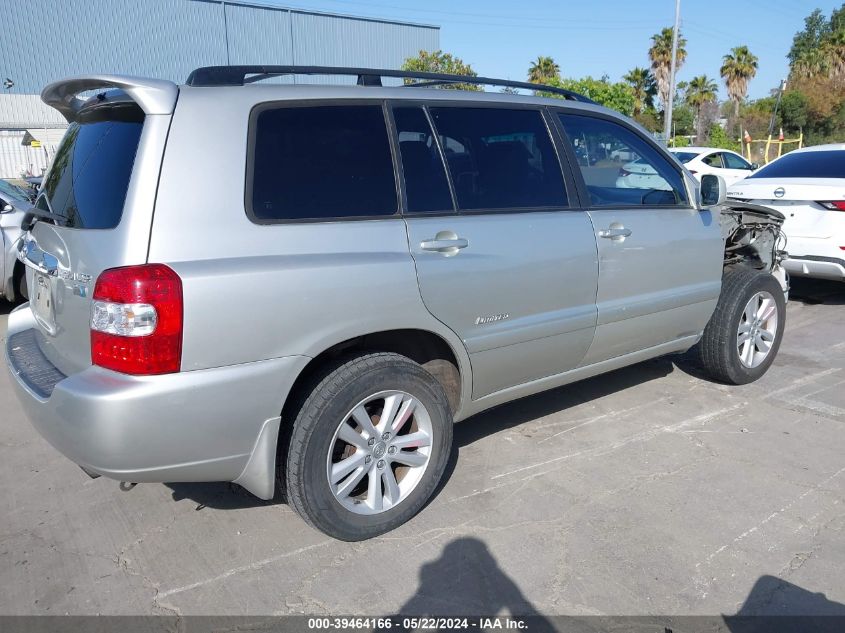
43,40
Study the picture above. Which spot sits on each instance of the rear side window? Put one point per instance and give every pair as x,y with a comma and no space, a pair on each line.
500,158
714,160
619,167
732,161
317,163
426,187
820,164
684,157
87,183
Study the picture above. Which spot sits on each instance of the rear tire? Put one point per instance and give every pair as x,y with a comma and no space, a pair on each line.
19,284
743,336
353,473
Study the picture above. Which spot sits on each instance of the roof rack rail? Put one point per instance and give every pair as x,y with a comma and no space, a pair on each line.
240,75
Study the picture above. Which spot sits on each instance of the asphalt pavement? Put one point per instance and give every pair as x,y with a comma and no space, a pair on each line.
645,491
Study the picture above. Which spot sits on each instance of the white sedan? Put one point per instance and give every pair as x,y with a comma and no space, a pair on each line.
808,187
711,160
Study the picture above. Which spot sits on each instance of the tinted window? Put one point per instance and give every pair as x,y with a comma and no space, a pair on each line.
10,193
619,167
426,187
713,160
732,161
87,183
820,164
685,157
321,162
499,158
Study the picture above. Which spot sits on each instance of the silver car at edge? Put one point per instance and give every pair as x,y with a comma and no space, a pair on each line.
14,204
300,288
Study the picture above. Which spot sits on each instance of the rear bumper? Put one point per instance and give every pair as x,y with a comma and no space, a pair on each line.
816,266
207,425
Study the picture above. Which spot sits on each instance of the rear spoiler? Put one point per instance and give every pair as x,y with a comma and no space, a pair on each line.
154,96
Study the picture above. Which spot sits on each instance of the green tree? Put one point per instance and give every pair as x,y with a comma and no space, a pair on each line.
793,110
719,138
819,49
683,120
542,70
440,62
644,88
660,55
617,96
700,91
738,68
816,27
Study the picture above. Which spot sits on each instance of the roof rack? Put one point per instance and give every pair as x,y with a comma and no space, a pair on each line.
241,75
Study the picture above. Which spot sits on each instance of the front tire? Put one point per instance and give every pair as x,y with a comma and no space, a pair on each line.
744,333
368,447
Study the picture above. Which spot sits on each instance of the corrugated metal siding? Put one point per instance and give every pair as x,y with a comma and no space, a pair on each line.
45,40
17,160
257,35
325,40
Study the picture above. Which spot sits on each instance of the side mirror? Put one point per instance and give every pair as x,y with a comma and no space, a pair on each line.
6,207
755,166
714,192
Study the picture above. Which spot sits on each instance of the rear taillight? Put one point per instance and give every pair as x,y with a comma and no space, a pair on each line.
623,172
136,320
834,205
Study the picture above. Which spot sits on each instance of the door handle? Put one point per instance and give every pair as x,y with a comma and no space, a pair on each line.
441,245
615,233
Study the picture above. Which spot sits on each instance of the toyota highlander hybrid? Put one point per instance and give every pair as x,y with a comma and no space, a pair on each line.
300,288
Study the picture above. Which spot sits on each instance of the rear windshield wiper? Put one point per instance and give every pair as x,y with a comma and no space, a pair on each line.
35,214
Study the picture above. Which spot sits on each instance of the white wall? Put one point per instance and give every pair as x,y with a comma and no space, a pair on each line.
16,159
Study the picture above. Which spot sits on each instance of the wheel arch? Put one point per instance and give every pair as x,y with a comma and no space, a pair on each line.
447,361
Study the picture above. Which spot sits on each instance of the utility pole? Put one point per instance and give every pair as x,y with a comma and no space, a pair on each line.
777,105
667,112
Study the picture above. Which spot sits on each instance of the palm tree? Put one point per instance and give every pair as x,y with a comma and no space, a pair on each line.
738,68
833,50
642,83
543,70
701,90
660,55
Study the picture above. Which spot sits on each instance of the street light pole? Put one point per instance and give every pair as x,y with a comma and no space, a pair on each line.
667,112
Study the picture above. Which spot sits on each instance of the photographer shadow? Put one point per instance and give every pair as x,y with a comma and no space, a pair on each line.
466,581
775,605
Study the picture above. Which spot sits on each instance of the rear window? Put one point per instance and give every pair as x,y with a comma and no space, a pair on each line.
87,183
822,164
11,193
318,163
500,158
684,157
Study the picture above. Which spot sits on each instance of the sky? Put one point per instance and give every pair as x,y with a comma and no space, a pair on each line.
500,38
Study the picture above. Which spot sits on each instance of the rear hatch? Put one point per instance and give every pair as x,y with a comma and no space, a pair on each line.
802,203
94,210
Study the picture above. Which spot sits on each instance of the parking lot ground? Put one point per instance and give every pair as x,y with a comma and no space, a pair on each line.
645,491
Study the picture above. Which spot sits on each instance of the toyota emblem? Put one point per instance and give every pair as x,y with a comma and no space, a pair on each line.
779,192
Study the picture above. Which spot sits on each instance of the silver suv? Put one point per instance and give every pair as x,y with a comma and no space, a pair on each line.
299,288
